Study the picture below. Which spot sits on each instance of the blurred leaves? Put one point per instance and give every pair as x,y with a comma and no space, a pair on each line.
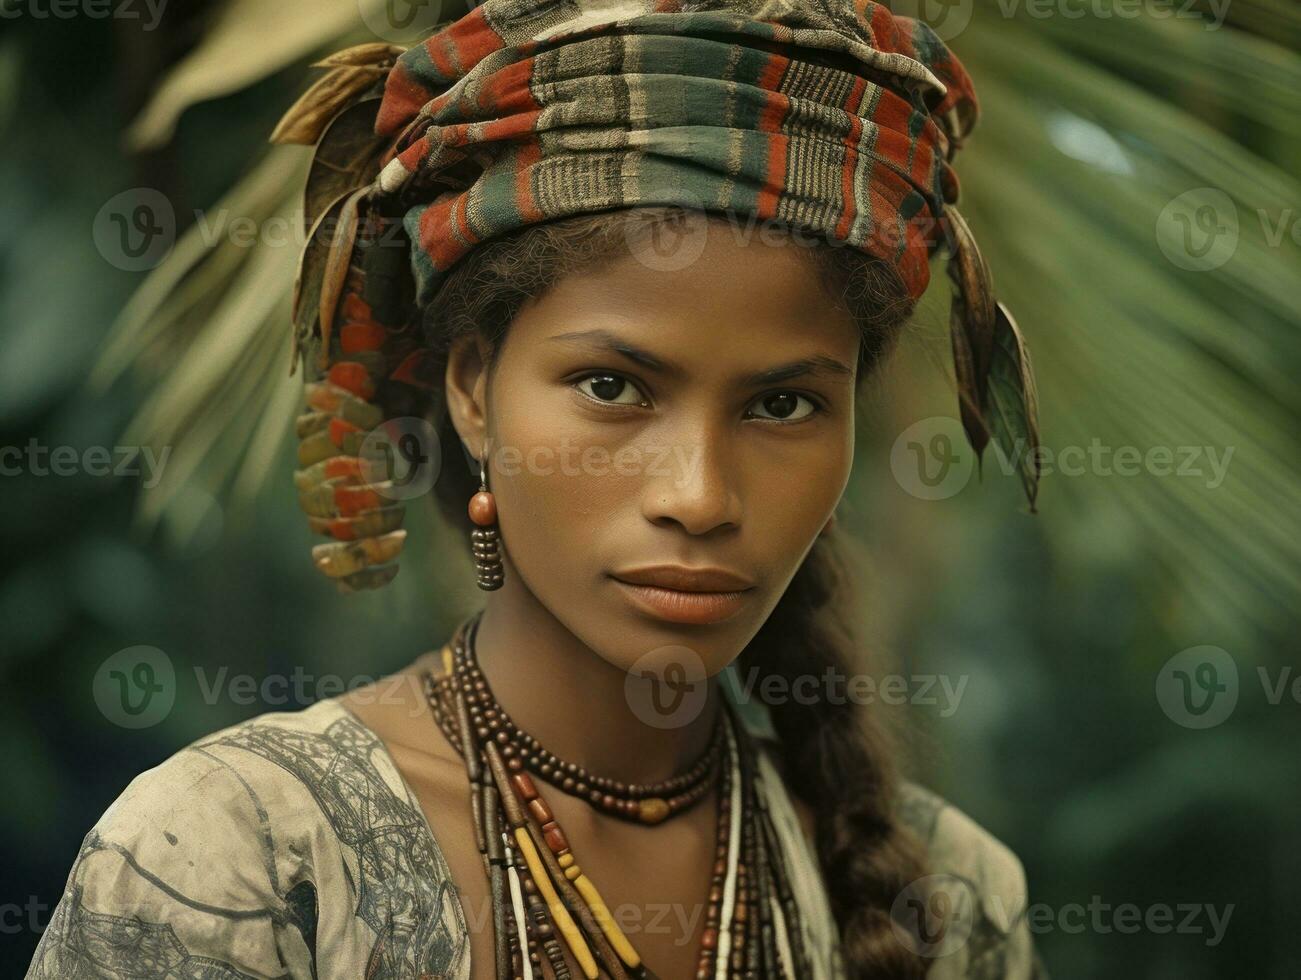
210,325
1131,349
248,40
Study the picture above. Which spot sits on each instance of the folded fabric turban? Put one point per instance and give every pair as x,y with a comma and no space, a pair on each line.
836,116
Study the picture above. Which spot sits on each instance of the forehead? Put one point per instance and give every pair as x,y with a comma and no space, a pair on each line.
722,299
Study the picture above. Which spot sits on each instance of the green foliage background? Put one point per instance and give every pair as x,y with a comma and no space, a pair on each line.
1061,622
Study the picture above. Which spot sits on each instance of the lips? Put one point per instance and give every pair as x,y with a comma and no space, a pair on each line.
678,594
683,579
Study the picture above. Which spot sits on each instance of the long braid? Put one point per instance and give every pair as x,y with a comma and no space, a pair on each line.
836,758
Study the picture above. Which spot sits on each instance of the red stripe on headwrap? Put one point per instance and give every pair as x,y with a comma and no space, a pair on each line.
770,121
851,155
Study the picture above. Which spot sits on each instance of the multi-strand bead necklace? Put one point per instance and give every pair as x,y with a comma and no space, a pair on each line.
542,901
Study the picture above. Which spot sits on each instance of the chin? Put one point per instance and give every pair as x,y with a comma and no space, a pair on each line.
704,649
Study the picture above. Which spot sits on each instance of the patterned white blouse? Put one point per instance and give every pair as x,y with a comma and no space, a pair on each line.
288,846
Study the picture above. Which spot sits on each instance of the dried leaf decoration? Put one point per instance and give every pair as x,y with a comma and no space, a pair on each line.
309,282
347,157
997,396
338,262
1013,397
971,326
353,71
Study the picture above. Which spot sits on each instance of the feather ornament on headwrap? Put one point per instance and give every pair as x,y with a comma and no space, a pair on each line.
835,116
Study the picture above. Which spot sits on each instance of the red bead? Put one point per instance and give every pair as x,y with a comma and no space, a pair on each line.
483,509
555,838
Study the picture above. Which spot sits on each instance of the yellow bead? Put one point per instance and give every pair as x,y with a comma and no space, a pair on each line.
573,871
565,860
606,921
564,922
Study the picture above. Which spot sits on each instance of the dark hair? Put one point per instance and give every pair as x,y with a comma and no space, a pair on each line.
834,757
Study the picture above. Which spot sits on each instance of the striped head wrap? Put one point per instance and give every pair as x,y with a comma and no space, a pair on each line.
835,116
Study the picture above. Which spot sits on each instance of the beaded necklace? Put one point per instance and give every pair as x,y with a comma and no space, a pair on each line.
540,896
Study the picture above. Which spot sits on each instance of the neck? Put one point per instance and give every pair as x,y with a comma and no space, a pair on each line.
563,693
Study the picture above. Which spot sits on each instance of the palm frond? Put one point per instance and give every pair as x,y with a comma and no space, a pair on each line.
247,41
209,333
1065,188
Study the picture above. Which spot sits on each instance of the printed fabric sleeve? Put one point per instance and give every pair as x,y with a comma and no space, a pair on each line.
284,847
989,937
183,876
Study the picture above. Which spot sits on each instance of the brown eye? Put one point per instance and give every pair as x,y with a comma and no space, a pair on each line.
608,387
784,406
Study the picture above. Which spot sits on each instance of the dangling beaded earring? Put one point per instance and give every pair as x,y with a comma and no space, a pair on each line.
486,538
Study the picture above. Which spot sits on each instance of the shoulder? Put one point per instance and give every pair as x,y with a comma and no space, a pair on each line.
240,851
957,845
277,777
982,880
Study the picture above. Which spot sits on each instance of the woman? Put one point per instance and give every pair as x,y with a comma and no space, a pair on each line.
659,417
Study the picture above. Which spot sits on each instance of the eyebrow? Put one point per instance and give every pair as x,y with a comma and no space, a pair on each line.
606,340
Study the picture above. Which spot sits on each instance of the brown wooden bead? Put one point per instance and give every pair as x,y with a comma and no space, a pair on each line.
709,940
538,807
653,810
483,509
524,783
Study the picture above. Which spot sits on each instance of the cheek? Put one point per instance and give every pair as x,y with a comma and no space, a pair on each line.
790,495
557,487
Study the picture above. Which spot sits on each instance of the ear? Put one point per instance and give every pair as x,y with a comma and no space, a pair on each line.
466,390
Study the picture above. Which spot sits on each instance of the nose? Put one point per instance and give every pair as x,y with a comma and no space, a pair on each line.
694,484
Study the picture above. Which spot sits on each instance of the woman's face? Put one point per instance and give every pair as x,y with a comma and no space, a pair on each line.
629,426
